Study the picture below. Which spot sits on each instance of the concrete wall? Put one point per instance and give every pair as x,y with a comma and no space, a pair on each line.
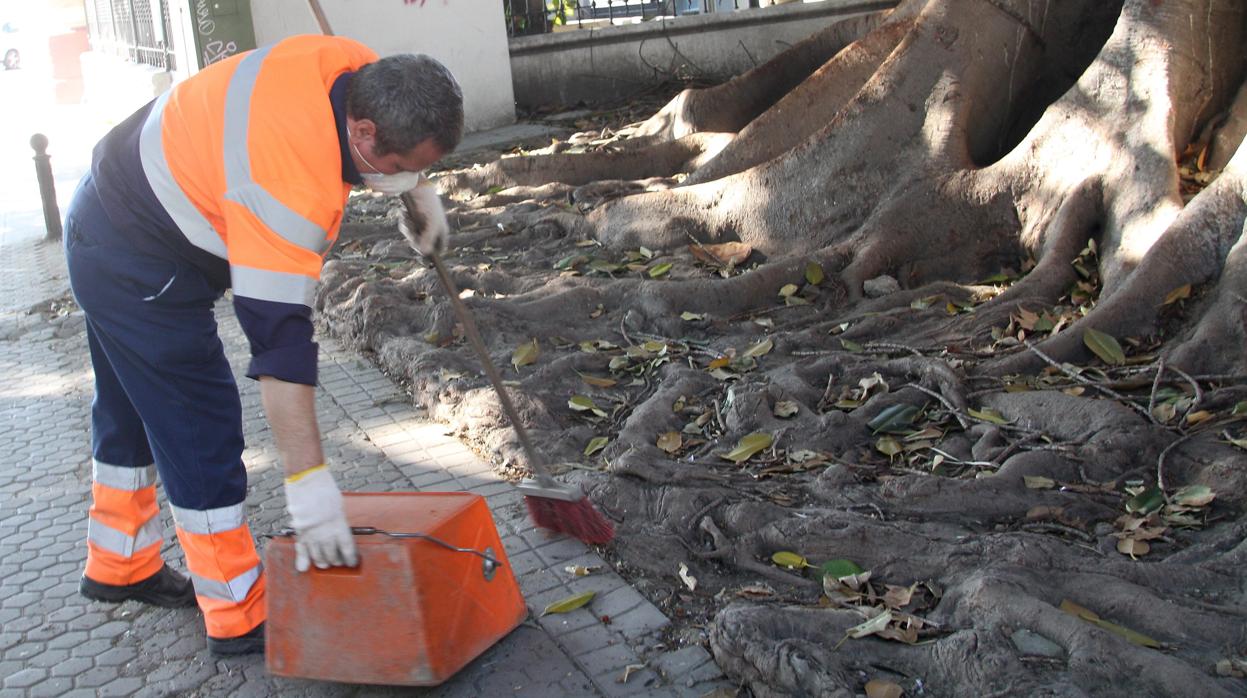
612,62
468,36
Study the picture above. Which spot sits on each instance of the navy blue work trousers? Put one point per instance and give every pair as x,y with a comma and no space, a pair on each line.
164,391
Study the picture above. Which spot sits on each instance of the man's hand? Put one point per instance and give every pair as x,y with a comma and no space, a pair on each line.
315,506
423,220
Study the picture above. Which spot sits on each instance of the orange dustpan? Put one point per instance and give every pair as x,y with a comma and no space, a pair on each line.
417,609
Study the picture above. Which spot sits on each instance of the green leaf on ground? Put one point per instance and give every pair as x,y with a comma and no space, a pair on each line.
850,345
814,273
894,419
659,270
691,317
1104,346
1194,496
570,603
596,444
748,447
582,403
787,290
837,569
1146,502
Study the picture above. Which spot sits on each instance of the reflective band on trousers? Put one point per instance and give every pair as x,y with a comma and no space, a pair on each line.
121,478
115,541
189,220
235,589
208,521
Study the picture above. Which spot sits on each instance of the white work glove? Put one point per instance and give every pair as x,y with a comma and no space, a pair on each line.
423,220
315,507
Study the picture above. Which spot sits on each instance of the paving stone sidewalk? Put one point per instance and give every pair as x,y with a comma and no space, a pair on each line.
55,643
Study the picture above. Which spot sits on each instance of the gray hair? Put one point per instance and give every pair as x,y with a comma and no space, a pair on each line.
411,98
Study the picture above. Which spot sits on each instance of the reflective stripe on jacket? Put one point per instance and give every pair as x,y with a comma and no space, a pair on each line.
245,158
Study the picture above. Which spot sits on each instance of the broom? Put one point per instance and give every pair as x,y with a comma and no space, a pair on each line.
552,506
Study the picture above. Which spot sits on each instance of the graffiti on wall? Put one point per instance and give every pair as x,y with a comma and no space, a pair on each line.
214,47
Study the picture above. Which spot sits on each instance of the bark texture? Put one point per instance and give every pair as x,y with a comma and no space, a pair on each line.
991,315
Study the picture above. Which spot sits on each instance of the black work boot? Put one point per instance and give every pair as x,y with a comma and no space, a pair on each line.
251,643
167,588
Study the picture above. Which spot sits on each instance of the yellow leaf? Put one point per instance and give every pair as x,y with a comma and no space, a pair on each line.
1132,547
871,626
1197,417
760,349
790,560
787,290
748,447
1090,616
724,254
597,381
888,446
1038,482
988,415
525,354
1183,291
878,688
786,408
570,603
670,441
691,317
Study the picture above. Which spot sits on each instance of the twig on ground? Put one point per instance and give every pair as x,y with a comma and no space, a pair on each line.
1053,527
1107,391
1199,392
1160,371
696,519
961,417
1160,464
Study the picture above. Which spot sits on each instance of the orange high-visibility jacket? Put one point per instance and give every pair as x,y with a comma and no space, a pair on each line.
245,158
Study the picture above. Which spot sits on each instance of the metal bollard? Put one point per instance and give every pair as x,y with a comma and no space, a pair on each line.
47,186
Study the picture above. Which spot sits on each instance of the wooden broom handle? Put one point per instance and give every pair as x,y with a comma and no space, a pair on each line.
474,338
320,17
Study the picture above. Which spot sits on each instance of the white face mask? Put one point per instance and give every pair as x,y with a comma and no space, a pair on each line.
391,183
394,184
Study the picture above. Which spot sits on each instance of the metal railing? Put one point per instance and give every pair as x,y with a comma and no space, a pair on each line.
527,17
137,30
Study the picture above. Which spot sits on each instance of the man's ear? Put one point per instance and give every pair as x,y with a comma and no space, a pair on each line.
360,129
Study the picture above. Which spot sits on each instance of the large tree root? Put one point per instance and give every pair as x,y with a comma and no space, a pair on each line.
1012,136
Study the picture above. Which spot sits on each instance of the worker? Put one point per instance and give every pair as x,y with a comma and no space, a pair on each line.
236,177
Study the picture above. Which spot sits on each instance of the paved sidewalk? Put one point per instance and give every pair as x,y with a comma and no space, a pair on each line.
56,643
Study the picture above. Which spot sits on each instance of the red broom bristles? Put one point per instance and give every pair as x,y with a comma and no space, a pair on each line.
577,519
